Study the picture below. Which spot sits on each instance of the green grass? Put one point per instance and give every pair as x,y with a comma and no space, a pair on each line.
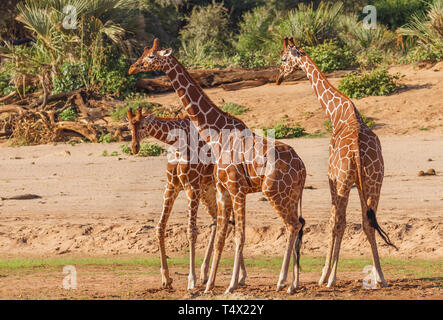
233,108
416,268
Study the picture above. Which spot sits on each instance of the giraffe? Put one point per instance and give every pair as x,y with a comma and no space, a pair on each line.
244,163
355,157
197,179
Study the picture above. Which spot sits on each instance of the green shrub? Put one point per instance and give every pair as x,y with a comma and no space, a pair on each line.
125,149
395,13
69,114
371,58
120,112
311,26
428,32
72,77
256,46
206,38
355,36
106,138
377,82
283,131
233,108
330,56
5,86
150,150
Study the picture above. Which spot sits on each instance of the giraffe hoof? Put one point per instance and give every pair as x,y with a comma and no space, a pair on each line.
291,290
230,290
167,284
280,286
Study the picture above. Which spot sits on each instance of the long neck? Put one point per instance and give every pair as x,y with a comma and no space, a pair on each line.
338,107
201,110
163,129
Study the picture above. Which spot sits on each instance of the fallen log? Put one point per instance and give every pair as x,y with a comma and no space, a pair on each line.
55,97
12,108
215,77
82,129
9,96
243,85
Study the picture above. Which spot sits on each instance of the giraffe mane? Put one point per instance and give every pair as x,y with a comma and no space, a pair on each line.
202,92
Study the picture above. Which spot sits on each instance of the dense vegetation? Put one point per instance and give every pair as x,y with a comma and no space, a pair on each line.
109,34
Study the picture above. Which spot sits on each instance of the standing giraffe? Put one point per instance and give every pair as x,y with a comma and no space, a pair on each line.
240,168
355,157
196,179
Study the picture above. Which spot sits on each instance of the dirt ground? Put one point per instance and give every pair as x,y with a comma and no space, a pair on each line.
93,205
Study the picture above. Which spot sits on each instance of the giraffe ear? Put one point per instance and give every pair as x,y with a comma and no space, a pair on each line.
166,52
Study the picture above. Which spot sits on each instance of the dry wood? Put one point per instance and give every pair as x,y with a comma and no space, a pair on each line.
80,128
243,85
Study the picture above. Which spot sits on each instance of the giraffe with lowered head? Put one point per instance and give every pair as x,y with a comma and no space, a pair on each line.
355,157
244,163
196,179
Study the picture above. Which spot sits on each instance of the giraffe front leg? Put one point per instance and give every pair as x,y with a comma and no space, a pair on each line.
193,195
170,195
223,213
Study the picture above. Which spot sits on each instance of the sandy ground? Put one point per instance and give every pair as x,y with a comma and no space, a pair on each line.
95,205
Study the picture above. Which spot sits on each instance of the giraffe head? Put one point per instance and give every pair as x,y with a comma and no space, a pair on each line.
138,124
291,59
152,59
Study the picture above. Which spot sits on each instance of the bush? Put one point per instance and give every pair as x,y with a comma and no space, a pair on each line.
283,131
69,114
377,82
5,86
72,76
120,112
428,31
233,108
311,26
107,138
256,46
330,56
206,38
150,150
355,36
395,13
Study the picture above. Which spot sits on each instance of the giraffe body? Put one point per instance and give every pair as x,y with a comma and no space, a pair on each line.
196,179
355,157
243,162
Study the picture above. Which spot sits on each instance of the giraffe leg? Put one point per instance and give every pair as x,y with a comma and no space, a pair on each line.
239,202
170,194
341,199
208,200
327,268
243,273
370,235
193,195
287,210
224,208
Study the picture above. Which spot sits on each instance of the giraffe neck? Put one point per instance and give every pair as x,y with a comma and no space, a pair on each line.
338,107
160,128
201,110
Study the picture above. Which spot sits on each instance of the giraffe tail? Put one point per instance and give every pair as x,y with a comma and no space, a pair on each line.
370,213
298,241
374,224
